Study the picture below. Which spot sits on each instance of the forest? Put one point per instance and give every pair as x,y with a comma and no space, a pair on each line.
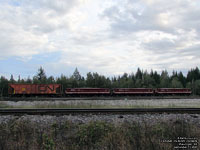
140,79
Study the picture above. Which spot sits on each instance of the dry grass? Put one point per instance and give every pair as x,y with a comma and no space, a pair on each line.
23,135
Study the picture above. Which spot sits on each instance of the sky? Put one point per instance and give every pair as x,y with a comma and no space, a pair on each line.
105,36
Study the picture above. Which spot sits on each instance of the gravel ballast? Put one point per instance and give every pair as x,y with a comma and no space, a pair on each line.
115,119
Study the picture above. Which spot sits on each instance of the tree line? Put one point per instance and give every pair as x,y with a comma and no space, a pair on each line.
140,79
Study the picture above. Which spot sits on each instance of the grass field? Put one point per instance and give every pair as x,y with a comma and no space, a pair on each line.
154,103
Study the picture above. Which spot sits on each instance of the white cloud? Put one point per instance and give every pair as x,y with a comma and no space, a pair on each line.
109,37
17,42
26,29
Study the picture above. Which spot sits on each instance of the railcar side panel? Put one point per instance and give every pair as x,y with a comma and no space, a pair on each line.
173,91
133,91
34,89
88,91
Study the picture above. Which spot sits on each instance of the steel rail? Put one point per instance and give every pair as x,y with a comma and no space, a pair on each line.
44,111
94,98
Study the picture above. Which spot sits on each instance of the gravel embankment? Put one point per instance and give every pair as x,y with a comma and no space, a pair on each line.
115,119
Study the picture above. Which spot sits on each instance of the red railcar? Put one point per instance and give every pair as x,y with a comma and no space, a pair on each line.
133,91
87,91
173,91
35,89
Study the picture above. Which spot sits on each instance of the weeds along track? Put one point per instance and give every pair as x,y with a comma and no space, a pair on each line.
45,111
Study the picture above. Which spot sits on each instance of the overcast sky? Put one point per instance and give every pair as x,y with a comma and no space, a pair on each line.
105,36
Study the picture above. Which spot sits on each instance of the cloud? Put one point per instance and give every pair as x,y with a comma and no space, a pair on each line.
132,16
166,34
26,27
20,43
109,37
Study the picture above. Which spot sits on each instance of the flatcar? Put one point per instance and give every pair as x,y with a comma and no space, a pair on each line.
87,91
173,91
34,89
133,91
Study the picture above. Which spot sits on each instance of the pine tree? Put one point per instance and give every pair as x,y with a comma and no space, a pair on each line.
40,77
164,80
89,80
76,75
182,79
12,79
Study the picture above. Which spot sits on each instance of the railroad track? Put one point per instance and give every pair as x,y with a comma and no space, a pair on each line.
94,98
98,111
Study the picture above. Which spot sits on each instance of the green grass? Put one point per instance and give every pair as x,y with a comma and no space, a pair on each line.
3,105
103,104
99,106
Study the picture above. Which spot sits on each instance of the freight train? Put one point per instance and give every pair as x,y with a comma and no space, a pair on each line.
57,90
